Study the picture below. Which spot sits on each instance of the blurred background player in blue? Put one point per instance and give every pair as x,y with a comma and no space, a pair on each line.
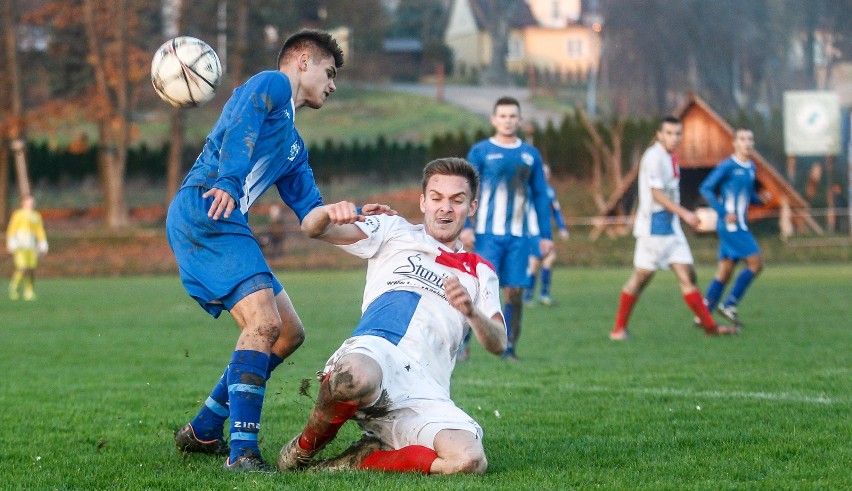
253,146
537,263
511,176
729,189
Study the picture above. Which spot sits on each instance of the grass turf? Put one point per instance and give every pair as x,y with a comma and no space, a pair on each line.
99,373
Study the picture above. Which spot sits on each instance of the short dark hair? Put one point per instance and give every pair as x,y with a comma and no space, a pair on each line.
741,128
669,119
316,41
506,101
452,166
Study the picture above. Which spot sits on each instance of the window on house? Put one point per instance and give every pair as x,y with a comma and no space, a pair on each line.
575,48
516,49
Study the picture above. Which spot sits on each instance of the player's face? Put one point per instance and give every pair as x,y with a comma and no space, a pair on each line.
317,81
506,120
743,143
670,135
446,204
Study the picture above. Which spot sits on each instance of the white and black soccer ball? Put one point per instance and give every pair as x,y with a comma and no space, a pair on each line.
185,72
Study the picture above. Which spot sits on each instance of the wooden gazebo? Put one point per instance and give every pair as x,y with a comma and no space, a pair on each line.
707,140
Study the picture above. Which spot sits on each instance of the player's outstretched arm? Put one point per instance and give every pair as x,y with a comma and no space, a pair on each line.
335,223
490,333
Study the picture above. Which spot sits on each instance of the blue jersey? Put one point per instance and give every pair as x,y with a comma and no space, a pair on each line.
510,177
730,189
254,145
555,212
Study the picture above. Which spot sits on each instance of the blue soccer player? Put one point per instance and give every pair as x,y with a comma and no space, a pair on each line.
537,262
511,176
729,189
253,146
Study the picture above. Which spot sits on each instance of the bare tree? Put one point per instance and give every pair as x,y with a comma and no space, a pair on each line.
502,12
15,126
173,13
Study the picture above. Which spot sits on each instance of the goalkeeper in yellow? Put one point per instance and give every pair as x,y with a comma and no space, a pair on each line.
25,240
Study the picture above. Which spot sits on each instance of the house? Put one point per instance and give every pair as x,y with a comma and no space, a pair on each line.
547,35
707,140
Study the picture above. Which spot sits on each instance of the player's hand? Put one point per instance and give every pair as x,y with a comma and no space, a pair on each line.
731,218
223,204
564,234
377,209
343,212
468,238
690,218
457,296
545,247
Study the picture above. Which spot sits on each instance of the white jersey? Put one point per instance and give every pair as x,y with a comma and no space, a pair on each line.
657,170
404,300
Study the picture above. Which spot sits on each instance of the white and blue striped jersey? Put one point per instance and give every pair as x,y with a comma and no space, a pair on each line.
404,300
510,177
729,188
255,145
555,212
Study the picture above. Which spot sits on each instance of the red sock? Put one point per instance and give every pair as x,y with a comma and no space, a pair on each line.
414,458
696,304
326,419
625,306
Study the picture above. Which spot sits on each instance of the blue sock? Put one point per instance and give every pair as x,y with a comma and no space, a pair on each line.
208,423
274,361
246,387
740,286
545,282
714,292
528,293
507,315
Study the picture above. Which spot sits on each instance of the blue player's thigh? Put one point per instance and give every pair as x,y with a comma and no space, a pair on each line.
490,247
514,272
534,244
737,245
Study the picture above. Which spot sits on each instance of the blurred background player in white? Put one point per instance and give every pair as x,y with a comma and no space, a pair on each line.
253,146
511,176
25,241
660,242
392,376
537,263
729,189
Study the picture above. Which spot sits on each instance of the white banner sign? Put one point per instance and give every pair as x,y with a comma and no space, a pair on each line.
811,123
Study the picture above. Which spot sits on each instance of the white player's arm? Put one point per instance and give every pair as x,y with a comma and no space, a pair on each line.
663,199
490,332
335,223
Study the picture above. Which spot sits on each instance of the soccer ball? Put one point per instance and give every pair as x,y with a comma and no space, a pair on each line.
185,72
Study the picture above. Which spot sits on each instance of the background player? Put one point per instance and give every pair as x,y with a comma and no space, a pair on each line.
660,242
393,375
511,176
729,189
25,240
253,146
537,263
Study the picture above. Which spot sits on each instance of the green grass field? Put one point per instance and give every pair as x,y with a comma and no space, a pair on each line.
98,374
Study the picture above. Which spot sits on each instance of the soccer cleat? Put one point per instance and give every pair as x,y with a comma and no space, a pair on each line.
509,356
352,457
293,457
249,462
29,296
619,334
187,442
730,312
726,331
545,300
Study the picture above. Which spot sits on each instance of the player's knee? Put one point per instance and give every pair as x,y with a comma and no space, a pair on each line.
293,335
470,463
353,381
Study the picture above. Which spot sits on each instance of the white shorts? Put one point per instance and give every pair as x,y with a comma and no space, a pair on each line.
659,251
412,407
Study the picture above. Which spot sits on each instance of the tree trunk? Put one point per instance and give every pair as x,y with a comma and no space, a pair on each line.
16,127
237,72
112,125
498,28
172,22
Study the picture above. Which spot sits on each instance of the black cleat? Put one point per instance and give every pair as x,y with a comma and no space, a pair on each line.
187,442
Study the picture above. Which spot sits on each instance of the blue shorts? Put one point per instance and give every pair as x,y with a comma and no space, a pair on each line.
535,246
736,245
508,254
220,261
